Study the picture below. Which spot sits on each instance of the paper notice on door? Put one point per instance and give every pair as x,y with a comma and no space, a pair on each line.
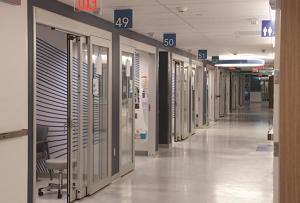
127,68
95,86
98,64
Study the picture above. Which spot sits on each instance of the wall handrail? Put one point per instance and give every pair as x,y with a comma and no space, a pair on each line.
13,134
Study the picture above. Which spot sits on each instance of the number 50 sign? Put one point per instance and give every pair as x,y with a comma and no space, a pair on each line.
123,19
169,40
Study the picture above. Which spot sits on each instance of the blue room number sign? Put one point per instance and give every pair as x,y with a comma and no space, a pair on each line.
123,19
169,40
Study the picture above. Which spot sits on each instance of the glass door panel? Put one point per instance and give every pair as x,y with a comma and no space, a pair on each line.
127,121
127,109
193,99
100,113
84,112
185,102
100,134
178,102
72,122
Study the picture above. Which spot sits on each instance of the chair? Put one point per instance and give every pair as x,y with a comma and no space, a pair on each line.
42,146
57,164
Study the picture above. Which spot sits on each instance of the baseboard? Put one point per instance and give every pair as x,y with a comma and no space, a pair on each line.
141,153
165,146
115,177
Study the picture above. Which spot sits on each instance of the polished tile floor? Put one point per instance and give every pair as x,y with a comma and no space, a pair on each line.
218,164
227,162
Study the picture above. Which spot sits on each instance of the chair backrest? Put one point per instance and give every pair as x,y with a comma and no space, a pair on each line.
41,135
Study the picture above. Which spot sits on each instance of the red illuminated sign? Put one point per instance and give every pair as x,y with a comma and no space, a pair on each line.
261,67
259,75
18,2
87,5
232,68
255,70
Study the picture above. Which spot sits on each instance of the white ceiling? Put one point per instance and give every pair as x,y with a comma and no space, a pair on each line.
207,24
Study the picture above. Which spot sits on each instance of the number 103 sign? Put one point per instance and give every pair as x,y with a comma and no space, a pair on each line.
123,19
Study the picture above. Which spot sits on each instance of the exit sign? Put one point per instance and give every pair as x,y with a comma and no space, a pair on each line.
16,2
87,5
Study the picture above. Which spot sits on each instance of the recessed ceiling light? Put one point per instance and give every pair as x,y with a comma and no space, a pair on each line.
199,14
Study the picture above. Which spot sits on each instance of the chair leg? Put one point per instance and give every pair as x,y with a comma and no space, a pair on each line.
51,175
59,196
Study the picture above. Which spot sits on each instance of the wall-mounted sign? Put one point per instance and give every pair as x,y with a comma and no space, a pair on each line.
123,19
255,70
202,54
87,5
215,59
170,40
268,28
261,67
16,2
232,68
259,75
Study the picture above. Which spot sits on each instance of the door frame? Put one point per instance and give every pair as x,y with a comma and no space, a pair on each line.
185,63
61,23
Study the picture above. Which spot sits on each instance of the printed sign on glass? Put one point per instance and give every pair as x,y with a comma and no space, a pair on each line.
87,5
215,59
202,54
123,19
169,40
255,70
268,28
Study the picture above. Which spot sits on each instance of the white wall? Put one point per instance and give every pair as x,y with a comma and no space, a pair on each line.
255,96
13,102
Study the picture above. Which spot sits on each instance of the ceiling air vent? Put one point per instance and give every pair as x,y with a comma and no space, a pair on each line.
247,33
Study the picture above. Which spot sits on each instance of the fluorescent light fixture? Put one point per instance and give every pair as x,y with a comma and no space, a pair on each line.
240,63
247,56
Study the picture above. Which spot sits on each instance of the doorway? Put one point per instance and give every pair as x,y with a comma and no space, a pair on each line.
145,99
73,112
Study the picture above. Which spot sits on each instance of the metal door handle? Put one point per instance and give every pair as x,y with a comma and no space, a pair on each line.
65,124
76,128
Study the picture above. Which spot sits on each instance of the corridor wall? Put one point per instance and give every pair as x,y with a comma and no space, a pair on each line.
14,102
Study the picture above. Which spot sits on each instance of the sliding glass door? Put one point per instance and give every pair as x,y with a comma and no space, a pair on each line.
100,115
127,124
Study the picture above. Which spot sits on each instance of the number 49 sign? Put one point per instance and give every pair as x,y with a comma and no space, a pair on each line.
123,19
